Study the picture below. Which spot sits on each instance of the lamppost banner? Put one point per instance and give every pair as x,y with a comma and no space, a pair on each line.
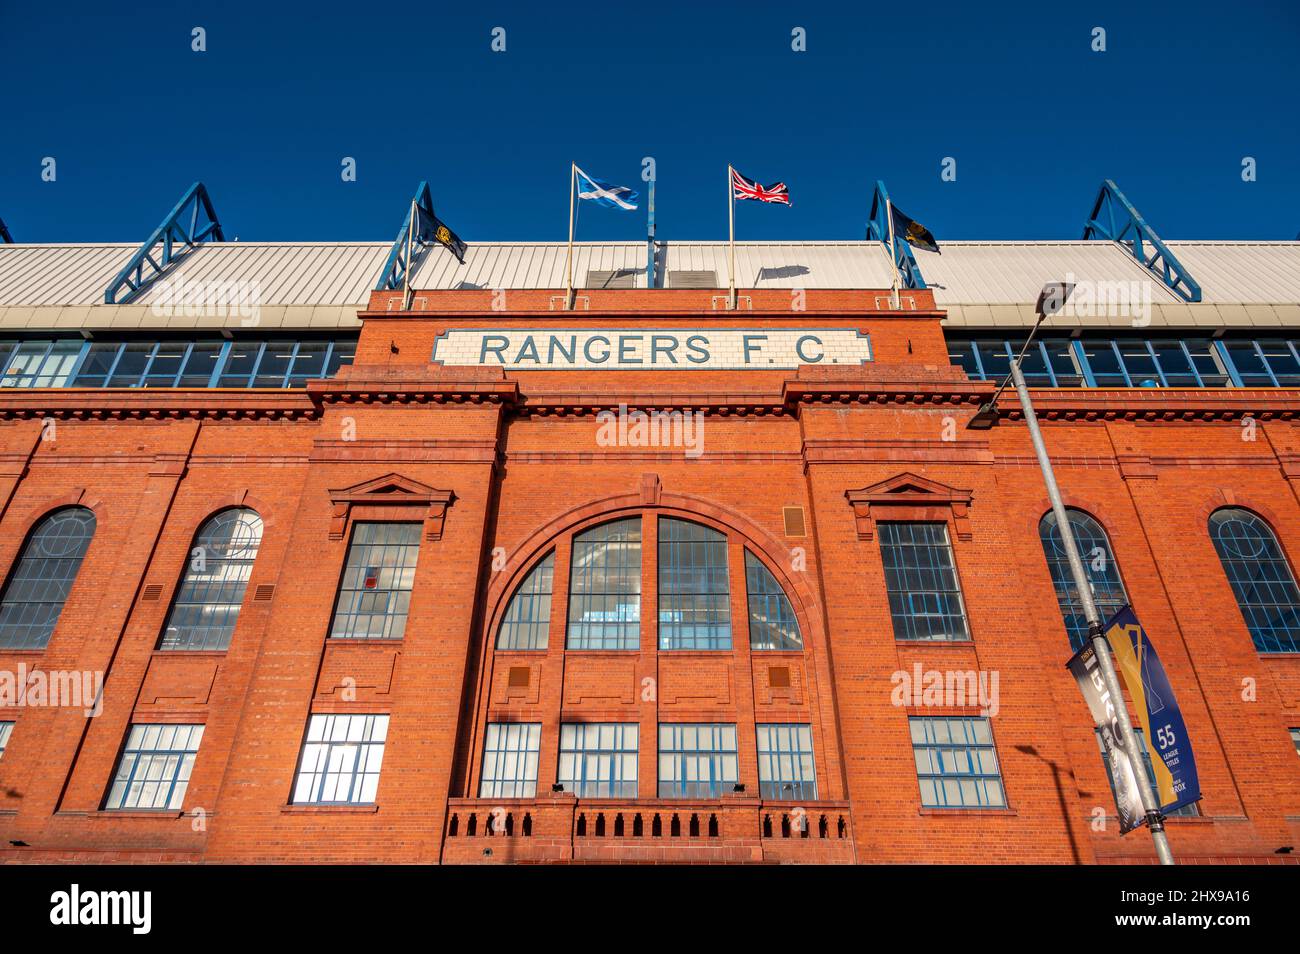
1163,730
1128,801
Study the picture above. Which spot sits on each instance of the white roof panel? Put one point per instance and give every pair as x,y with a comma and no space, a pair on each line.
1013,273
1243,272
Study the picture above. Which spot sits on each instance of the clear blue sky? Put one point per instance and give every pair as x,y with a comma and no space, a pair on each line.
1034,118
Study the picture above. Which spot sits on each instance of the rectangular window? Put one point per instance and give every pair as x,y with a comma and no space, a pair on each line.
921,581
1295,739
7,728
155,767
40,363
786,771
375,594
598,760
956,763
341,758
1187,811
697,761
510,760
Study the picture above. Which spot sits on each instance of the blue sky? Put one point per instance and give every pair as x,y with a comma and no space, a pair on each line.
1033,117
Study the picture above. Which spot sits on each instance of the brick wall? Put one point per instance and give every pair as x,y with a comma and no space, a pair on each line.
519,455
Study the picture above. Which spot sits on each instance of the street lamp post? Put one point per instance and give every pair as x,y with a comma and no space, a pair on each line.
1050,301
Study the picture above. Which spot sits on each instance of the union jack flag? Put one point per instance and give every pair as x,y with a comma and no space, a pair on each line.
743,188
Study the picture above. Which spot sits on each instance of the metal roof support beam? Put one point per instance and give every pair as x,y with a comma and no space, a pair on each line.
396,266
191,222
1114,219
4,233
878,229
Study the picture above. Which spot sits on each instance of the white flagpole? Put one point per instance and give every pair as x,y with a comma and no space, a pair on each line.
568,264
893,255
731,225
406,272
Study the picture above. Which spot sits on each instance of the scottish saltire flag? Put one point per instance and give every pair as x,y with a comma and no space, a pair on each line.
610,196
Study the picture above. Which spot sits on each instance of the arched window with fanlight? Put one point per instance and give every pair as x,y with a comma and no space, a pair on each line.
42,578
1261,579
527,622
772,623
1098,563
211,591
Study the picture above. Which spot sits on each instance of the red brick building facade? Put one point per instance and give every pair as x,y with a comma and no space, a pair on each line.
502,468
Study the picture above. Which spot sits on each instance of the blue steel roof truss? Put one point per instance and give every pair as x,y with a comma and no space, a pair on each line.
1114,219
192,221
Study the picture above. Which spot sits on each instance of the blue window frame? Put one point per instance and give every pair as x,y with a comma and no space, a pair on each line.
43,576
527,622
772,623
605,587
176,362
786,768
375,593
925,600
211,592
1261,579
956,763
510,753
1124,361
6,730
599,760
341,759
697,760
1187,811
1295,739
154,770
1098,563
694,587
39,362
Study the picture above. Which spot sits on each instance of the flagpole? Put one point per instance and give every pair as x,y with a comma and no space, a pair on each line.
568,264
731,225
893,254
406,272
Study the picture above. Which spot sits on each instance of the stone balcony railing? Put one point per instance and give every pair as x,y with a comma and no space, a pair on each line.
561,828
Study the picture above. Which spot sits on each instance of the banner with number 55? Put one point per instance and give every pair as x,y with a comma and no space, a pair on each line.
1163,729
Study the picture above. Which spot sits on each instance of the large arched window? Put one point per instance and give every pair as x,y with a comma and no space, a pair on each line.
527,623
772,623
605,587
43,576
207,602
1098,563
1261,579
694,591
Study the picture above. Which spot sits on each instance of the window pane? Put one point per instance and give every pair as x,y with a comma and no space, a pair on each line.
42,578
1065,366
154,770
1250,366
130,366
341,759
1098,563
1281,362
1174,364
510,755
211,591
772,623
697,761
785,763
271,370
956,763
200,365
374,595
527,621
1104,364
1261,579
694,591
598,760
921,582
6,729
1139,363
605,587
